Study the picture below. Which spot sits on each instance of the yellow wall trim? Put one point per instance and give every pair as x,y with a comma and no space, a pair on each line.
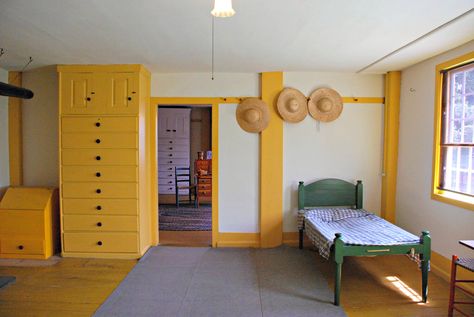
363,100
390,151
441,266
458,200
271,165
195,100
238,240
15,135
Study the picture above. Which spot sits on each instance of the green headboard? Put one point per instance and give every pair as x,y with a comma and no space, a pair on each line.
330,192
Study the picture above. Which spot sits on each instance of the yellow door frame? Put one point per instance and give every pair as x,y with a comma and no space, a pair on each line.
196,101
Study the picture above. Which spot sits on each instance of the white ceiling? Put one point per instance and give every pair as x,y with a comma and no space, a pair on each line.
264,35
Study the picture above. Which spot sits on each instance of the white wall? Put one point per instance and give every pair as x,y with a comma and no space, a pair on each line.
40,128
4,153
349,148
201,85
416,210
238,175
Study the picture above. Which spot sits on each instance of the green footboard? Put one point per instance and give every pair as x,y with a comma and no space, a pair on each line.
336,192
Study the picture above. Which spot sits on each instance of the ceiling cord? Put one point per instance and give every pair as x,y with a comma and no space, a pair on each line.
212,50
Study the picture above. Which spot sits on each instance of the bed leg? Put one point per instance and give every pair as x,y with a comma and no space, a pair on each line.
425,264
338,259
301,239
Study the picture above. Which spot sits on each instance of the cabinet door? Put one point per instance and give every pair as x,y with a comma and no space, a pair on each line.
123,93
78,95
173,123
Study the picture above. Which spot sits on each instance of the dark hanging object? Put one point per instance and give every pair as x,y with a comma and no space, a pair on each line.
14,91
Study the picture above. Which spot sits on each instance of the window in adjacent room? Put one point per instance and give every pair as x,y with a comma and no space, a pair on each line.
454,154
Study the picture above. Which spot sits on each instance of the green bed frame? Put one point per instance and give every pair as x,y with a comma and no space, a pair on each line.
335,192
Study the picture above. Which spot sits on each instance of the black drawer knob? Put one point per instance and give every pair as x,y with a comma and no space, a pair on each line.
170,182
98,174
171,142
170,154
20,247
170,175
168,130
170,169
174,130
99,224
98,158
98,191
88,98
170,148
170,162
97,141
97,124
99,242
170,188
129,98
98,207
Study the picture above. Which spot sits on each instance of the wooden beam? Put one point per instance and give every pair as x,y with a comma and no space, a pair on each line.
271,165
390,152
15,135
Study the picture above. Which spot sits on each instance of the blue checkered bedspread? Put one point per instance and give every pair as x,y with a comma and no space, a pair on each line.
357,226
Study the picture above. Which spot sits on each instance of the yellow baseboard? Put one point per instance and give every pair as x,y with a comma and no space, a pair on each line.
441,266
238,240
290,238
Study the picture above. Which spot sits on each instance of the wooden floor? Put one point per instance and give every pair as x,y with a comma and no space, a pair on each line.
186,238
76,287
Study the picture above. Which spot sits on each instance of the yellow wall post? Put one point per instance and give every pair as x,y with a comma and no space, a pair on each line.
15,135
390,155
271,165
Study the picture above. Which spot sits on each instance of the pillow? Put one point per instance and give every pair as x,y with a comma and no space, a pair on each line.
341,214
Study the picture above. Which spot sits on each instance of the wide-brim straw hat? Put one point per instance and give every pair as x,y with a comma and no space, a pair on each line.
325,104
292,105
253,115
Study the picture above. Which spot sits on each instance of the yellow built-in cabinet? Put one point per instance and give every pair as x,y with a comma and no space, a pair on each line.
104,196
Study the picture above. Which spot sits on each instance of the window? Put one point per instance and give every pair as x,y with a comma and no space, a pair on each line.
454,136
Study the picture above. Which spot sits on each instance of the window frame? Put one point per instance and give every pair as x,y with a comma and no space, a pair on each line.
457,199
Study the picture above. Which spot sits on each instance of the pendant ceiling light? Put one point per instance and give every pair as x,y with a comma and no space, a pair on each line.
223,9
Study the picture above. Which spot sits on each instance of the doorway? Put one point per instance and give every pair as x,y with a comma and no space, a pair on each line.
184,154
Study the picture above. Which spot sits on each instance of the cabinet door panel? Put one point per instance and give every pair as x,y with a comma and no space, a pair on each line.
123,96
78,95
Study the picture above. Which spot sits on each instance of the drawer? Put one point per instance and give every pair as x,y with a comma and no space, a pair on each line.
100,223
173,148
166,141
22,246
205,180
99,140
179,162
99,174
100,206
100,242
99,190
166,181
99,157
174,154
167,174
22,222
163,189
165,168
204,186
99,124
205,193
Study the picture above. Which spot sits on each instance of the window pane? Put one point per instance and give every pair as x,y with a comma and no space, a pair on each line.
463,182
470,82
464,158
458,83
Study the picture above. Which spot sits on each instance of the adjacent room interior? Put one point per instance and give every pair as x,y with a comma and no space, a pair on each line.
185,174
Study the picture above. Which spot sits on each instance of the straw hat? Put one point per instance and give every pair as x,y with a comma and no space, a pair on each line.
292,105
325,104
253,115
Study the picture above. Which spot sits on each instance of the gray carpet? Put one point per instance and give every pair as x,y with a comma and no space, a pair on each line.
174,281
